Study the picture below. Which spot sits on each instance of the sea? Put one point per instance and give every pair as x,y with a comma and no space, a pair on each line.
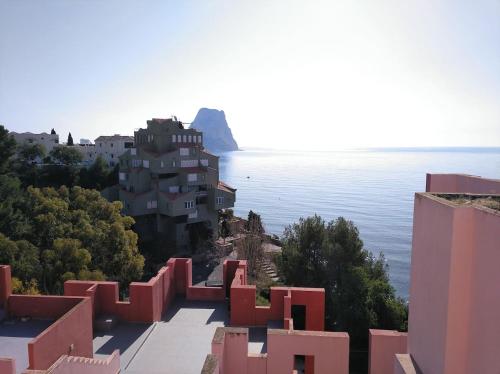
374,188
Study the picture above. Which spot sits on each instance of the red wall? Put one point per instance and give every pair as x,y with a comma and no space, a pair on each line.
7,366
5,284
70,334
461,183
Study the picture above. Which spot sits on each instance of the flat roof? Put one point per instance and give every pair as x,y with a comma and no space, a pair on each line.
15,336
179,343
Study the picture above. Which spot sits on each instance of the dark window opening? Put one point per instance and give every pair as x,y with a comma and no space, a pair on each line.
299,317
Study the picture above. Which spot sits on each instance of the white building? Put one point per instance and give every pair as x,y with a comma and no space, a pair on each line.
112,147
48,141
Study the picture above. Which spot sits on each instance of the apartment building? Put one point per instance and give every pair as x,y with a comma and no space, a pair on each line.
110,148
170,184
48,141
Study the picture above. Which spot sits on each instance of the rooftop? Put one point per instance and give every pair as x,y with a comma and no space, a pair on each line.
177,344
15,334
479,200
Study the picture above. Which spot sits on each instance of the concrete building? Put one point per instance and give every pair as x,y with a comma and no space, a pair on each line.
170,184
48,141
110,148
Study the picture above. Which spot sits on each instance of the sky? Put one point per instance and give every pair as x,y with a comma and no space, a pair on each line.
288,74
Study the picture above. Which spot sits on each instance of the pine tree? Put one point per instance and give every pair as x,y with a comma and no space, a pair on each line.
70,139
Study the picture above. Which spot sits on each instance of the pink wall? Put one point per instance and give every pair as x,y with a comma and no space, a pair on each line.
403,364
461,183
453,322
7,366
71,334
384,344
330,351
78,365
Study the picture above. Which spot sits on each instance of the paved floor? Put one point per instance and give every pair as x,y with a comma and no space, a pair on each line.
178,344
15,336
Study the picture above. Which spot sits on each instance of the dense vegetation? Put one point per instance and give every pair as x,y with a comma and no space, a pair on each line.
358,293
52,234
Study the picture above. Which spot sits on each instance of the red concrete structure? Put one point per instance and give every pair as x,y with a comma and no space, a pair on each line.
454,303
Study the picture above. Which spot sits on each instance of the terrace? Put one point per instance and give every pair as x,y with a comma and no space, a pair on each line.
176,344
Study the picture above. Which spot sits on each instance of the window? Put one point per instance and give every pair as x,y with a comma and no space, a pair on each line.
145,163
184,138
193,215
111,145
189,204
173,189
100,144
189,163
133,151
184,151
204,162
153,204
199,139
123,176
174,138
219,200
192,177
179,138
136,163
112,155
190,139
161,164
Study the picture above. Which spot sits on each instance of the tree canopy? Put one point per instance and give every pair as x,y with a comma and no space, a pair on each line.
71,234
358,293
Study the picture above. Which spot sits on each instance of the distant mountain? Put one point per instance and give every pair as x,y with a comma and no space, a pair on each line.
217,136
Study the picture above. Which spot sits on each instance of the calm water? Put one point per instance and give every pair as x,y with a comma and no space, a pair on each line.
373,188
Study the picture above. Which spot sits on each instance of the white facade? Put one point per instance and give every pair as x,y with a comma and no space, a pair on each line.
48,141
112,147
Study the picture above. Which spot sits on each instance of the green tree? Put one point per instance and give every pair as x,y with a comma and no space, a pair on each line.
66,156
7,148
254,223
96,176
26,163
13,204
70,140
358,293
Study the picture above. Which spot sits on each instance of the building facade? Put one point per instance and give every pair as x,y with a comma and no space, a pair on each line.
170,184
48,141
110,148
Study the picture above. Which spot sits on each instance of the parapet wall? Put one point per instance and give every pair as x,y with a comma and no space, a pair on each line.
328,352
384,345
5,284
244,311
461,183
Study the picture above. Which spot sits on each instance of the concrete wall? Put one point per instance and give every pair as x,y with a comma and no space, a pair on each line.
7,366
384,345
461,183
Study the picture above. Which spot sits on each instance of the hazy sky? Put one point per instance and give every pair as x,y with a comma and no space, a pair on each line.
289,74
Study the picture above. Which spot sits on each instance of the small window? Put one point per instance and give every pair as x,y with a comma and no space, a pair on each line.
190,139
173,138
199,139
153,204
145,163
123,176
111,145
184,138
189,204
184,151
219,200
112,155
161,164
192,177
179,138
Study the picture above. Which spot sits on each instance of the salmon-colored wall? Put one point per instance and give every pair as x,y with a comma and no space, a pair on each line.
70,334
5,284
384,344
484,328
330,351
430,272
454,308
7,366
461,183
75,365
257,363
